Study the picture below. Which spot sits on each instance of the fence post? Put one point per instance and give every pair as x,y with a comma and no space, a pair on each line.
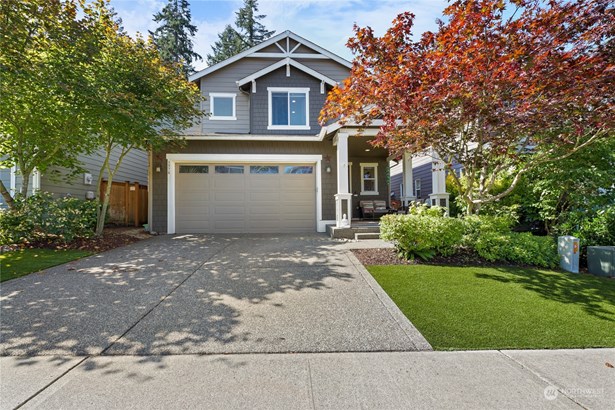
126,201
136,203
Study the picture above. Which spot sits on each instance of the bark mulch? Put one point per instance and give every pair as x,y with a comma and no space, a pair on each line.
113,237
388,256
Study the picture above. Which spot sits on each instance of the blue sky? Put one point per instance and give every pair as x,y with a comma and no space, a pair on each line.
325,22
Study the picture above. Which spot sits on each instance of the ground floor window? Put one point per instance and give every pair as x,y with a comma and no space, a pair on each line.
369,179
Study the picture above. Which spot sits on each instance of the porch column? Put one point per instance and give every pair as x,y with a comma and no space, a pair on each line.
439,196
342,219
408,182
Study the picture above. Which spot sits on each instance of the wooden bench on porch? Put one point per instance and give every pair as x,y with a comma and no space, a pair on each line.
373,208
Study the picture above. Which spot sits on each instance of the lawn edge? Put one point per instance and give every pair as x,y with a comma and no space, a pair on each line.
415,336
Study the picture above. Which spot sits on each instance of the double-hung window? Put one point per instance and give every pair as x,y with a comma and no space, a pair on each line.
369,179
289,108
417,188
222,106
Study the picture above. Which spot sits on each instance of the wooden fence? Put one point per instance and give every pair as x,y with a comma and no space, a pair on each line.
127,203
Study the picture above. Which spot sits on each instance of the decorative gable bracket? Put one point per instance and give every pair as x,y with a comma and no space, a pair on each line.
288,62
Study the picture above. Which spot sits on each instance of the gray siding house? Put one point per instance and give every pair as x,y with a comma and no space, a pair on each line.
133,169
258,160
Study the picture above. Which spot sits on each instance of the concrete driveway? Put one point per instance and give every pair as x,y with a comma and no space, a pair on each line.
205,294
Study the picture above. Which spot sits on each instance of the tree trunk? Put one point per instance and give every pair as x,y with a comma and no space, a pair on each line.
100,223
102,210
25,183
8,199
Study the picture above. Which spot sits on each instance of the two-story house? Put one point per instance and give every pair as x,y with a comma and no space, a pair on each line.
258,160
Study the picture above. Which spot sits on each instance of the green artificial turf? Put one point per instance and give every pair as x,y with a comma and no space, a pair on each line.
18,263
459,308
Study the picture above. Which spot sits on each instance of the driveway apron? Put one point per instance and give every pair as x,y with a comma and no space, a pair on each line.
205,294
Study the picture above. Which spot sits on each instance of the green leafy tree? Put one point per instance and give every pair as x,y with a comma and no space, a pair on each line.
229,43
137,100
173,36
43,51
249,32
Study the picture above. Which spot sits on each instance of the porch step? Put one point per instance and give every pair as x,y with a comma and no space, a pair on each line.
366,235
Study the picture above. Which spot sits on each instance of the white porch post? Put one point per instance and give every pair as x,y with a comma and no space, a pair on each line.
408,182
439,196
342,220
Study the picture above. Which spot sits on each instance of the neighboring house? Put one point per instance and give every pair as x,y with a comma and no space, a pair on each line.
427,173
133,169
260,162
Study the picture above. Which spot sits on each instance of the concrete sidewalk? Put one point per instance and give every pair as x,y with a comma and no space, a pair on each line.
385,380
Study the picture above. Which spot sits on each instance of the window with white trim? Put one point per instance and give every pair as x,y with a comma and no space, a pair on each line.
417,188
369,179
289,108
222,106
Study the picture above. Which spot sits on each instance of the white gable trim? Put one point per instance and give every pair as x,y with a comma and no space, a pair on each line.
282,63
273,40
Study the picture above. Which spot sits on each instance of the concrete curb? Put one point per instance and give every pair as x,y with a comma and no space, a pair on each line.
417,339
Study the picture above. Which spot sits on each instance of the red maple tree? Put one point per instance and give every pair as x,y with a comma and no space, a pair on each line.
501,87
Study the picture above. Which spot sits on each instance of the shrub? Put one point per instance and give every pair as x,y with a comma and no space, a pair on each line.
476,226
422,235
40,217
521,248
425,235
593,230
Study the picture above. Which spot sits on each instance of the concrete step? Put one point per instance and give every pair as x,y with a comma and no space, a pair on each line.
366,235
366,229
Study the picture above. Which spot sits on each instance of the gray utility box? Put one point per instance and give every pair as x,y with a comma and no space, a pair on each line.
601,260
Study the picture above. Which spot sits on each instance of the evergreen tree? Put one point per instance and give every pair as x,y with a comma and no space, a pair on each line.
173,36
250,32
229,43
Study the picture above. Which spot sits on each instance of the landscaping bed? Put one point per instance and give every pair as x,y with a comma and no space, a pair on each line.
390,256
113,237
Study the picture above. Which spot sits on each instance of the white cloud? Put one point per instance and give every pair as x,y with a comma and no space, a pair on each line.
138,15
327,23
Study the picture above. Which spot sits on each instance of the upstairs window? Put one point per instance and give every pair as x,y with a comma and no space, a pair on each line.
222,106
289,108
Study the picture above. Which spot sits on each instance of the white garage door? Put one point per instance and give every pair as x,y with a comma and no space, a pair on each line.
251,198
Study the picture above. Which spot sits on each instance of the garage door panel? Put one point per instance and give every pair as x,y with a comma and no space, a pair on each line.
229,196
264,196
238,203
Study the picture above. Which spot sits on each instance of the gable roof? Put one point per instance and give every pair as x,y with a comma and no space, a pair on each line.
286,61
284,54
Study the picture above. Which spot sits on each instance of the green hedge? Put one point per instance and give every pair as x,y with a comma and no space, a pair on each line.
427,235
41,217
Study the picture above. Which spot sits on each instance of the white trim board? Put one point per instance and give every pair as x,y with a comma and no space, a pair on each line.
13,181
252,137
173,159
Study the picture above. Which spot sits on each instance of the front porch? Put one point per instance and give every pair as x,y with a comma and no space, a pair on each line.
363,175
